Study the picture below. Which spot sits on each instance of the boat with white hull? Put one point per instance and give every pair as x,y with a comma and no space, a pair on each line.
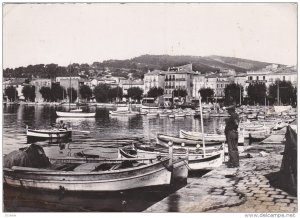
75,114
196,161
101,176
48,133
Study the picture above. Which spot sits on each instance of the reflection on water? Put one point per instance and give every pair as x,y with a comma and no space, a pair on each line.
17,200
86,136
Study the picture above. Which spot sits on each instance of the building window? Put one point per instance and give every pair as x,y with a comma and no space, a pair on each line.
264,78
250,78
283,78
257,77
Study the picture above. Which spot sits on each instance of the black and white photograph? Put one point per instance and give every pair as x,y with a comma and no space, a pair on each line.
150,107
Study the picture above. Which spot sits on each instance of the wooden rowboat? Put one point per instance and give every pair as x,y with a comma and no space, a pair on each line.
36,134
196,161
165,139
99,176
198,136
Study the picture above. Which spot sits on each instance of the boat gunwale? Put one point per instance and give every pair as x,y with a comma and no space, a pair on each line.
70,173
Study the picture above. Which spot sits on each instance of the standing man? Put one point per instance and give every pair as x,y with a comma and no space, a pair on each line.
231,133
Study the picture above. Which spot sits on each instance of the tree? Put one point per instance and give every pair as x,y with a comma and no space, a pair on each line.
233,93
154,92
135,93
85,92
72,94
257,93
46,93
114,93
101,92
286,92
57,92
206,93
11,93
180,93
29,93
294,96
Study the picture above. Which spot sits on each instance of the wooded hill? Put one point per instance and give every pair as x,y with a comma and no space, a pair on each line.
138,66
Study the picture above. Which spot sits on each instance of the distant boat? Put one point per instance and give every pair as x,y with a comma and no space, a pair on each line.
75,114
124,111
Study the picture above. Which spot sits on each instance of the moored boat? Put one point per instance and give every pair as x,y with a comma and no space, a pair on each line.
198,136
196,160
85,174
75,114
177,141
36,134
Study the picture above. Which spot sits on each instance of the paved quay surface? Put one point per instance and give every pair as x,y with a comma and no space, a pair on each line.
243,189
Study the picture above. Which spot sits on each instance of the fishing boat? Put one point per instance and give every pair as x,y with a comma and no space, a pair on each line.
212,137
180,114
151,114
78,175
198,136
124,110
177,141
196,160
172,115
41,134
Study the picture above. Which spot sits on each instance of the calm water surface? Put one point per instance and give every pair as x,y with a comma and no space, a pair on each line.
103,126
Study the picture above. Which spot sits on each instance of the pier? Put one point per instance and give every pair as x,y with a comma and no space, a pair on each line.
243,189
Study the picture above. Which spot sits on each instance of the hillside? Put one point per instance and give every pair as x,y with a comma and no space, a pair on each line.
138,66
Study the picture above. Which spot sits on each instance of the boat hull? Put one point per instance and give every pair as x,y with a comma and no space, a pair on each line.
165,139
48,134
144,176
74,114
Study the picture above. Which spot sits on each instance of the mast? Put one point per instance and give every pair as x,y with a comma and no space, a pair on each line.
278,100
70,97
201,118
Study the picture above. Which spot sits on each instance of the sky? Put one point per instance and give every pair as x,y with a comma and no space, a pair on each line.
85,33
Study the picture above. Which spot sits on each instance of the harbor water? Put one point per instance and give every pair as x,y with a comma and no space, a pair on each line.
87,136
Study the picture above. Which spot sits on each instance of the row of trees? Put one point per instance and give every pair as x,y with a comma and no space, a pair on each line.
102,93
257,93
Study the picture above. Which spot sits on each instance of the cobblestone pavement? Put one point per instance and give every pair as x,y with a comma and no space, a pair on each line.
243,189
260,196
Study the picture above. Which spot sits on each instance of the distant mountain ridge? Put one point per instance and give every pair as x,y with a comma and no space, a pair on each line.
138,66
201,64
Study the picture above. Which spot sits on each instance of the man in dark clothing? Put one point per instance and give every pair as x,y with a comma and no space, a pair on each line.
231,133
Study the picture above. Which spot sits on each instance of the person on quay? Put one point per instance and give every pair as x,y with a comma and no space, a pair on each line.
231,133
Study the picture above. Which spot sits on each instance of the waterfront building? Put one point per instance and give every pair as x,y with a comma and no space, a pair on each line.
199,82
39,83
18,83
240,79
211,81
154,78
180,78
67,82
222,82
131,83
270,74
